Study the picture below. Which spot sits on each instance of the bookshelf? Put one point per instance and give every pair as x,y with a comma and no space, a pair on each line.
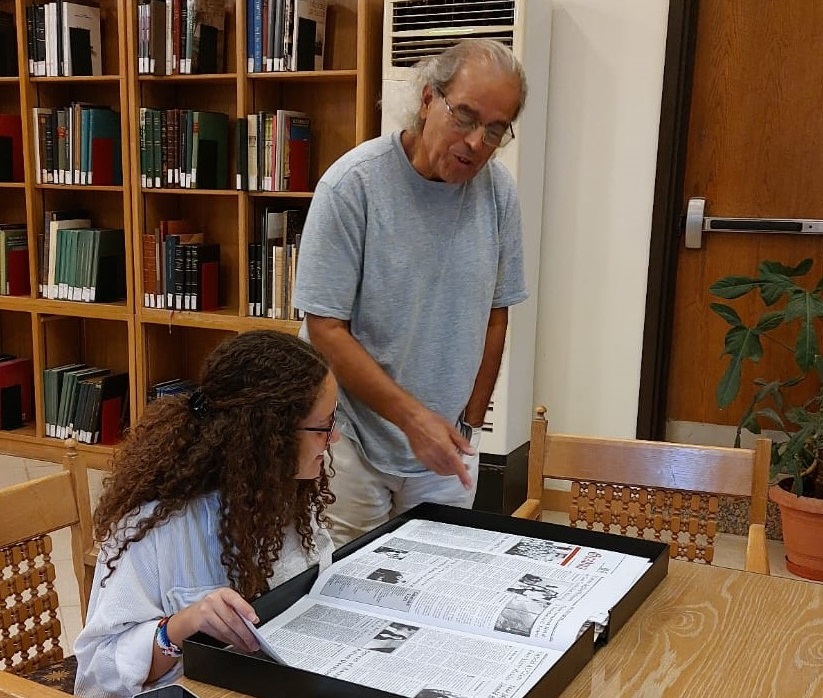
341,101
158,344
51,332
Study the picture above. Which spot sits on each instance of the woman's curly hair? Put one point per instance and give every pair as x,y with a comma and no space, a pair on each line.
238,436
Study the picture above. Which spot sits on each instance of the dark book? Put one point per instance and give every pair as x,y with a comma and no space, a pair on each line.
309,34
211,158
8,45
17,274
40,39
113,409
108,270
106,166
30,37
178,276
80,51
157,37
81,31
206,272
11,407
19,372
241,141
297,153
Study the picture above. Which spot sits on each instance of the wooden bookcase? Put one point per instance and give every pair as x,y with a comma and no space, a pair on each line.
158,344
53,332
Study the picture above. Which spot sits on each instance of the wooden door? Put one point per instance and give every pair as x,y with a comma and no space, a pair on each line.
755,149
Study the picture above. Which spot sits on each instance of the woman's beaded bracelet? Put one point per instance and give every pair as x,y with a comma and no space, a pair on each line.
161,637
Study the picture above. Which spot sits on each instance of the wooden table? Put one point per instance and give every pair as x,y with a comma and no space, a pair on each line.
705,631
12,686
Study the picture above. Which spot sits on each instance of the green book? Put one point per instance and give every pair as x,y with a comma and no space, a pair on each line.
108,270
210,160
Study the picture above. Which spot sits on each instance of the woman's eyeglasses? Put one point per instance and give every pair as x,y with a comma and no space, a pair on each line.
494,135
324,430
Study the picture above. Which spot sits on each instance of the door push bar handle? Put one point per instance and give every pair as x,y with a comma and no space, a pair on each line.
697,224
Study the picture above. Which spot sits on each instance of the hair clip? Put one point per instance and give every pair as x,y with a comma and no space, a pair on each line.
199,403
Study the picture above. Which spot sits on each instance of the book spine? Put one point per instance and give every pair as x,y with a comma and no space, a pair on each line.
30,37
40,39
241,156
164,147
156,147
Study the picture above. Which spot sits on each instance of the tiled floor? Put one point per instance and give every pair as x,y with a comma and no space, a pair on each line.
730,550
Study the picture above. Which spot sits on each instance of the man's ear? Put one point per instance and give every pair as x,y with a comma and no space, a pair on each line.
426,97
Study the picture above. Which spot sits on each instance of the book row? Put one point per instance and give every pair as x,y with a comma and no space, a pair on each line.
180,270
14,260
273,264
83,263
183,148
85,402
77,144
181,36
63,38
174,386
274,151
285,35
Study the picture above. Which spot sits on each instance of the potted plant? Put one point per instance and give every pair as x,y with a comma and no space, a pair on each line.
796,470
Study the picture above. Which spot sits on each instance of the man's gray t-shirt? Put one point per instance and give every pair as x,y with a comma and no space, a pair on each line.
415,267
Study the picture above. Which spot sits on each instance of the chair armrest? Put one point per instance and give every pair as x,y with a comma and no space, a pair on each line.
757,554
530,509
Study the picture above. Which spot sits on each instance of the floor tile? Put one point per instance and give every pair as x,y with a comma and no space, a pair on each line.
12,471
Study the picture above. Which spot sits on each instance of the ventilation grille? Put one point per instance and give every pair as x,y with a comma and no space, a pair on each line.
424,28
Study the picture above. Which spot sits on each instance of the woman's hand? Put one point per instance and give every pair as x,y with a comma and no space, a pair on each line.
219,614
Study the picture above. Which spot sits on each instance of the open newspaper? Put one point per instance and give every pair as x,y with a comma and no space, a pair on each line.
434,610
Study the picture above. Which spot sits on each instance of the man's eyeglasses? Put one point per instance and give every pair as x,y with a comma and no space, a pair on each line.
494,135
324,430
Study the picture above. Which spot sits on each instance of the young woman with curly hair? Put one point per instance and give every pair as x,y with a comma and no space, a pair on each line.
213,499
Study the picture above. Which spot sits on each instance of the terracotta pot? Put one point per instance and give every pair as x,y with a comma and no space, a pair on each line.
802,519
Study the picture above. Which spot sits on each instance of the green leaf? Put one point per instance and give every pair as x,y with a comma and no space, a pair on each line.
768,321
751,424
733,286
771,414
729,384
774,286
728,313
743,343
772,267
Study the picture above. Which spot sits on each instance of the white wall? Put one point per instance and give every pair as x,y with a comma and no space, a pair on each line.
605,82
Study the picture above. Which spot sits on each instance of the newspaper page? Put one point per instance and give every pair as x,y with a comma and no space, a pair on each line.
433,610
399,656
538,591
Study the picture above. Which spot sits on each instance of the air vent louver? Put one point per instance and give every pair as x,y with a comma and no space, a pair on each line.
423,28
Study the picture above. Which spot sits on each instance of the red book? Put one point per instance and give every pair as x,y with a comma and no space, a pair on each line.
110,411
102,161
11,148
208,278
20,372
17,272
299,166
114,392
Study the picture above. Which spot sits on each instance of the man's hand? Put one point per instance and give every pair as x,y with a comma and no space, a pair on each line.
438,445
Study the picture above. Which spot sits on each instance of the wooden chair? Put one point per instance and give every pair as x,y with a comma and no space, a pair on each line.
29,627
652,489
